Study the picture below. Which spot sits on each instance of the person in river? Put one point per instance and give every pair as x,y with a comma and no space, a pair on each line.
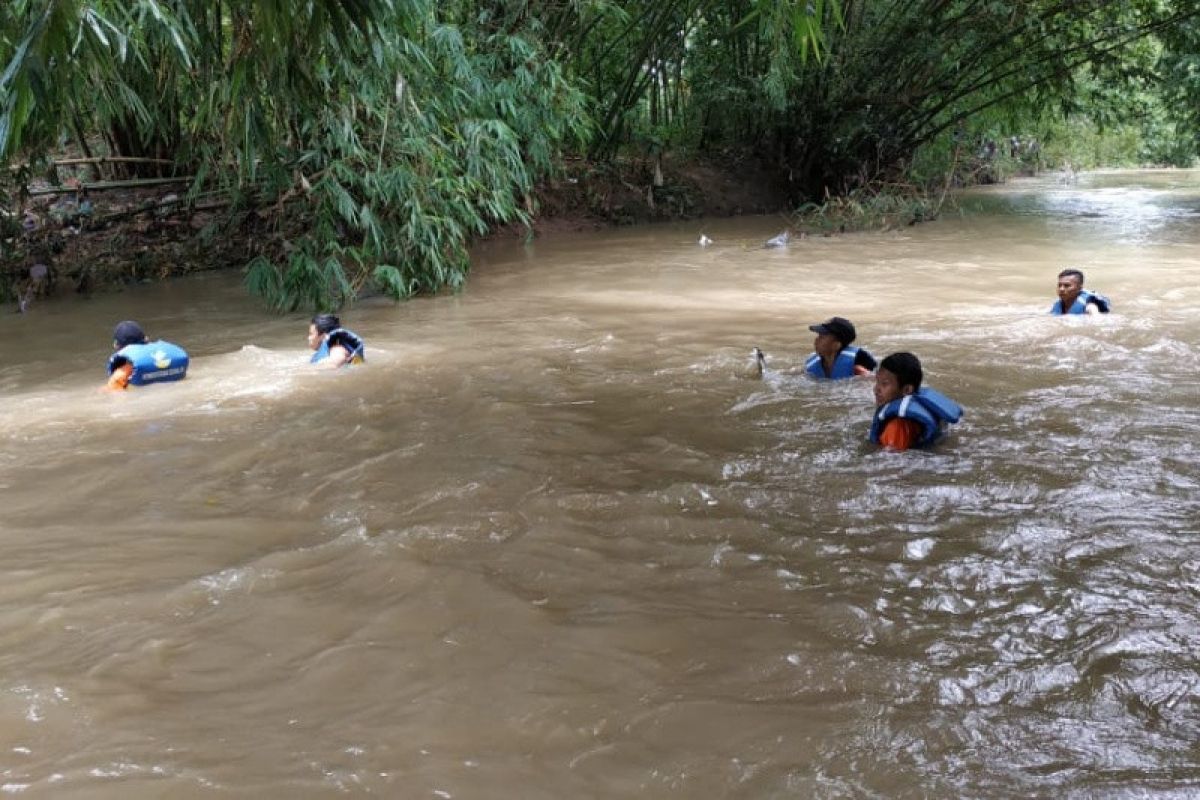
834,358
35,283
139,361
906,413
1074,299
333,345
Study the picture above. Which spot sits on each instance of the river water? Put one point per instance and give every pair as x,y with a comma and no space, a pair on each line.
551,541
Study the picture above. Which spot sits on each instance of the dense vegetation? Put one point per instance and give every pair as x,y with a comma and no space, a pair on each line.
368,141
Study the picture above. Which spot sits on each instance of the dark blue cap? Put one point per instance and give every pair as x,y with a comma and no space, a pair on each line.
128,332
838,327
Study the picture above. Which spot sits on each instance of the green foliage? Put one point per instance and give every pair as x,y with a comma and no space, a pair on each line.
1082,144
369,141
861,91
873,207
366,132
1098,126
1166,141
437,147
1173,127
644,59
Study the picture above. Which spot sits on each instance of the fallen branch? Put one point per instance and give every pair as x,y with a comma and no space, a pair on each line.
66,162
220,200
101,186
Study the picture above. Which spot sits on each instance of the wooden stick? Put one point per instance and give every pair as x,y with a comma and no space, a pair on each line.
152,206
101,186
102,159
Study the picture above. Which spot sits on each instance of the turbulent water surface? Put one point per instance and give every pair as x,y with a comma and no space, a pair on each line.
552,542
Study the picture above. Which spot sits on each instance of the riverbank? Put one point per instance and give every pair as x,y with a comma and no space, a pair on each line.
588,196
93,240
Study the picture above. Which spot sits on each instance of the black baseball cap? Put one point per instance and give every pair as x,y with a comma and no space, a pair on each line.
128,332
840,328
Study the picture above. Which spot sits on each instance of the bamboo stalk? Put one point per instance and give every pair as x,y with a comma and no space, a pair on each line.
75,123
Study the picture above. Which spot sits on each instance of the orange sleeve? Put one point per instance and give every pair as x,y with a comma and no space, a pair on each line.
900,434
119,379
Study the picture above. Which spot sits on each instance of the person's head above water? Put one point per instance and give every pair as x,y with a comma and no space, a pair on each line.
832,335
320,326
326,322
1070,283
333,345
839,328
127,333
899,374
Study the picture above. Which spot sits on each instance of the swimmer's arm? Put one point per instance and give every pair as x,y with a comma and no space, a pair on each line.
337,357
119,379
899,434
864,359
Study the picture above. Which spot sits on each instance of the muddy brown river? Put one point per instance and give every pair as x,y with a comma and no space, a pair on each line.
551,542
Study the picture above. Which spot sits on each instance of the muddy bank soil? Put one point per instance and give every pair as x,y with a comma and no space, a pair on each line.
96,240
589,196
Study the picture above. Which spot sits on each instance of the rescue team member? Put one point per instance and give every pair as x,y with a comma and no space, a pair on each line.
334,345
1074,299
138,361
907,414
834,358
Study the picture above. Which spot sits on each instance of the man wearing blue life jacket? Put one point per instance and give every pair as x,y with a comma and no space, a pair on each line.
1074,299
835,358
907,414
333,345
139,361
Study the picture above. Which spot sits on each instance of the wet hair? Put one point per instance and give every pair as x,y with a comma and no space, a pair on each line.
906,367
326,322
1072,273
